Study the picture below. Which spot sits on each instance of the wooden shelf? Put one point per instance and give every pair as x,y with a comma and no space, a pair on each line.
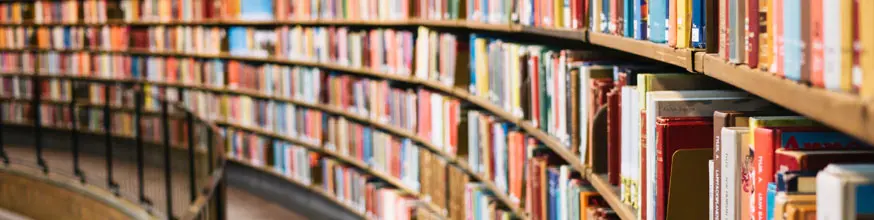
313,188
845,112
611,195
360,165
679,57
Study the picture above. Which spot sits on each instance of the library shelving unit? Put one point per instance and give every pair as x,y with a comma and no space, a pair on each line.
845,112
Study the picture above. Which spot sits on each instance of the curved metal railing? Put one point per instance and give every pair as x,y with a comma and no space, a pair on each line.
132,139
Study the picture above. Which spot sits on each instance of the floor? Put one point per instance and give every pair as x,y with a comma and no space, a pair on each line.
240,204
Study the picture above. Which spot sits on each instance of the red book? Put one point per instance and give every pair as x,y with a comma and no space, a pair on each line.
677,133
614,130
768,140
814,160
752,30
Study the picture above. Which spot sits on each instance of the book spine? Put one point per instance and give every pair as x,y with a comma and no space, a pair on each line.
764,161
752,33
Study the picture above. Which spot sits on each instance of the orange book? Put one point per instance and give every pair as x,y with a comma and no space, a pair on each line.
517,154
816,39
233,74
42,37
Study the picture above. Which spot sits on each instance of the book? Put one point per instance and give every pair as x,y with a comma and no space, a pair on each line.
734,168
677,133
841,191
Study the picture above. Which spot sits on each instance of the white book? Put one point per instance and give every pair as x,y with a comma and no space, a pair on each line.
843,191
625,147
733,140
422,51
831,23
690,103
710,189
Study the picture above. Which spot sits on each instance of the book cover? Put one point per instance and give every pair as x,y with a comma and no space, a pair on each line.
724,29
735,167
657,23
831,39
768,140
866,37
843,192
692,103
792,42
752,33
786,160
677,133
698,33
816,47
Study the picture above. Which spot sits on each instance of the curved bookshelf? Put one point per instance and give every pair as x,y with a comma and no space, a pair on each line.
459,93
311,188
397,183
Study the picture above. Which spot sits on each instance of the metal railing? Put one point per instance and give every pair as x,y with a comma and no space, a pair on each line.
129,138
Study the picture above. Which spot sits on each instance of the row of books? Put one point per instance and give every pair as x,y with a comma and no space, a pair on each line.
64,37
188,39
816,42
352,10
539,82
17,62
679,24
68,11
653,130
440,57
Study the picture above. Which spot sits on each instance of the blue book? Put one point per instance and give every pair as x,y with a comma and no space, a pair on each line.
237,39
628,14
252,10
640,25
657,21
484,10
792,44
67,37
135,67
605,16
698,23
472,64
368,146
772,191
552,204
278,159
864,200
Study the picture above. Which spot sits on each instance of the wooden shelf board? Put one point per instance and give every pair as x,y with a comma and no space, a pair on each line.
611,195
843,111
660,52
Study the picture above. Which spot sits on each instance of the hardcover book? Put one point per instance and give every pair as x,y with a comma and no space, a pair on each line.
676,133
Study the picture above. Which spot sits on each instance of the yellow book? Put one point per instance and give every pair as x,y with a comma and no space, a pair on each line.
557,13
846,45
866,36
16,12
778,121
684,22
482,68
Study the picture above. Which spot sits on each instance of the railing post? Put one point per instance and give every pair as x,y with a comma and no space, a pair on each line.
189,121
138,122
74,133
167,175
36,105
107,131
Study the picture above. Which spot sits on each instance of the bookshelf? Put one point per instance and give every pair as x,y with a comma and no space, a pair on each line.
316,189
846,112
